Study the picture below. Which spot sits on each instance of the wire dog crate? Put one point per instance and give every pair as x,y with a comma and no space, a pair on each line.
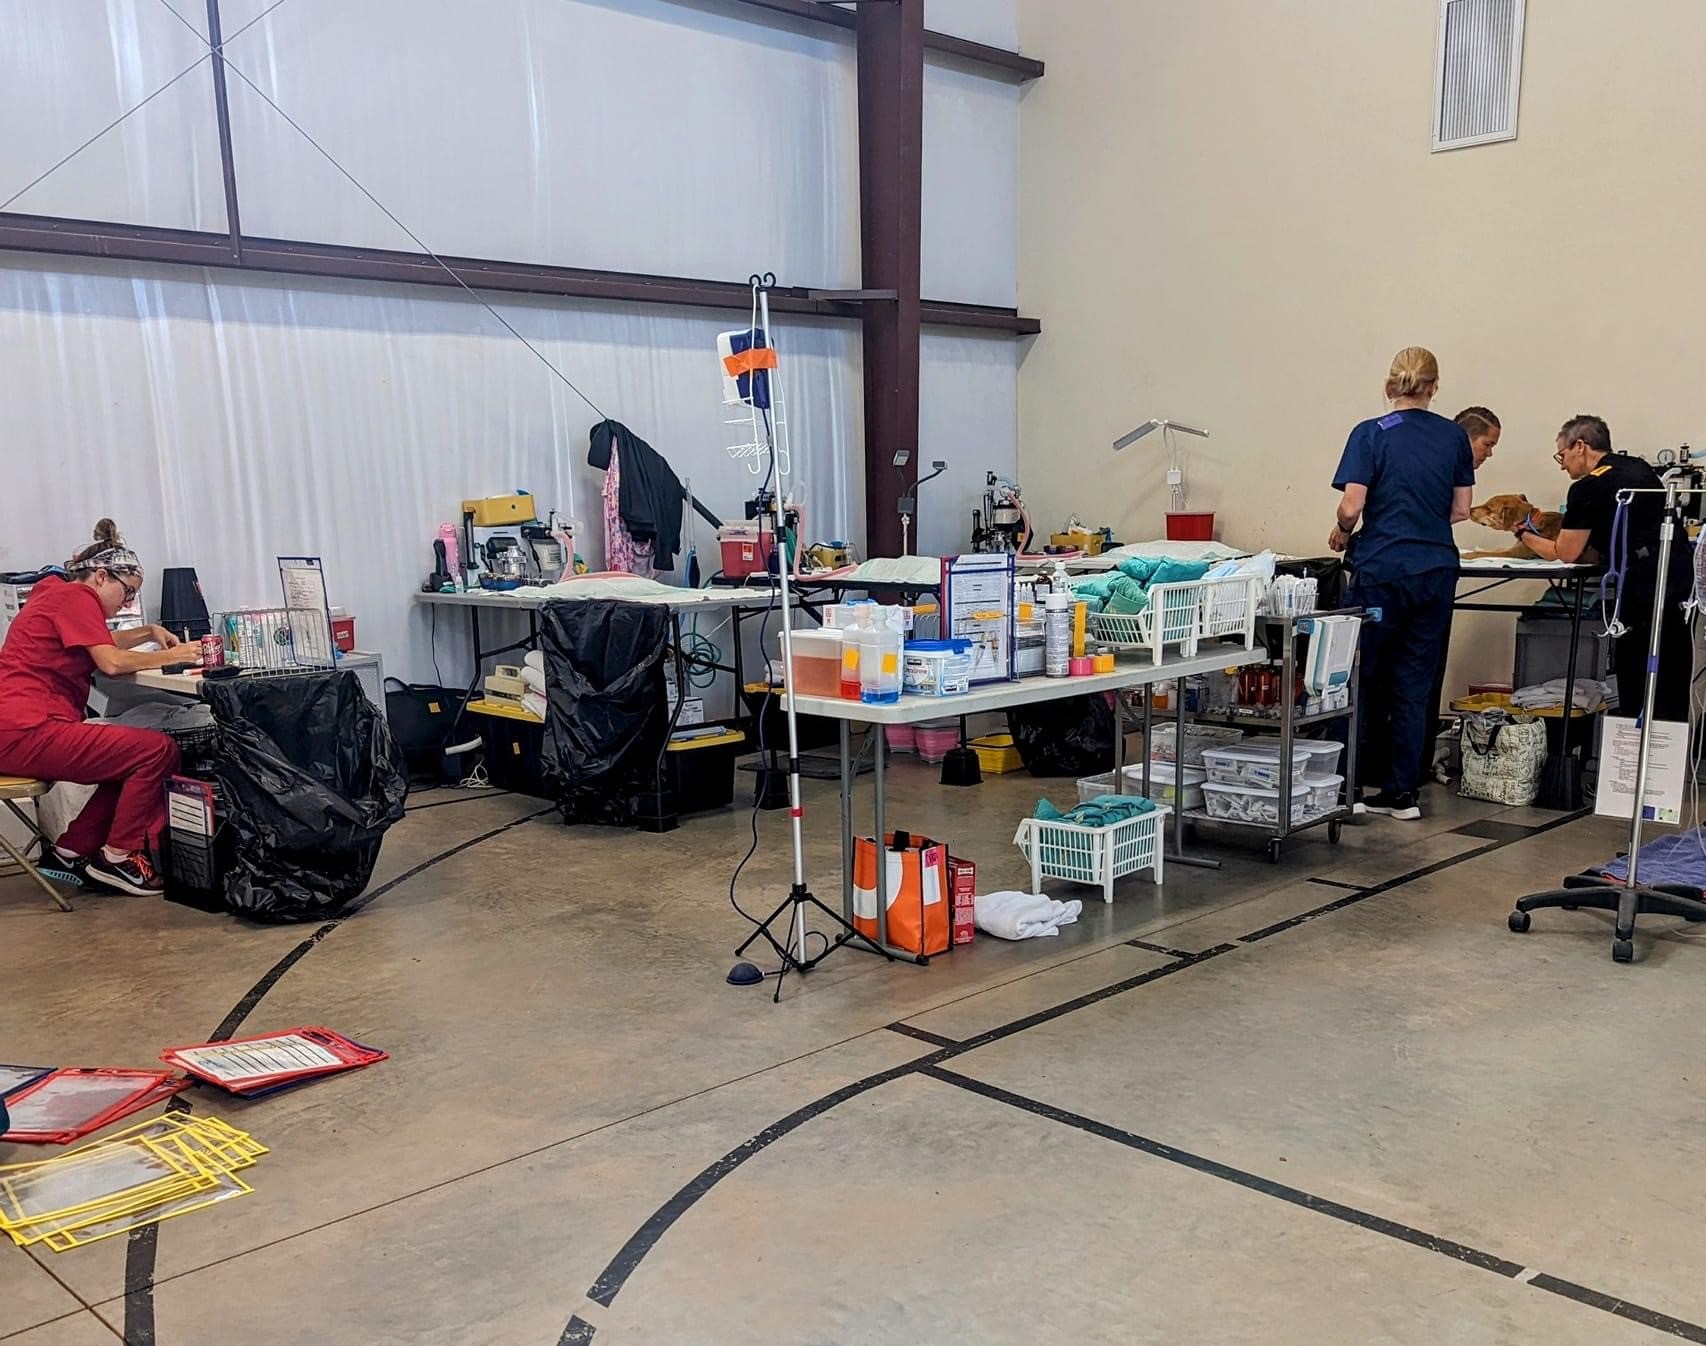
278,640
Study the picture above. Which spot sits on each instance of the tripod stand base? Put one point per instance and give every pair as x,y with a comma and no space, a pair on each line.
792,961
1580,890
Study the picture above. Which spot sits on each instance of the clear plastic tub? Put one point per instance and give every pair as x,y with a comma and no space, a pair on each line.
1322,792
817,662
1161,788
1238,803
1197,738
1254,763
1324,756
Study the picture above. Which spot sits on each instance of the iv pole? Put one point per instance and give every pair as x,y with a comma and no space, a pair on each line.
1630,898
767,437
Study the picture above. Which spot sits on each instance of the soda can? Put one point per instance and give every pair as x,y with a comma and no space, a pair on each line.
212,652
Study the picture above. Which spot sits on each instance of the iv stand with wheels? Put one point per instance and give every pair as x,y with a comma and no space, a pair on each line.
1631,898
792,951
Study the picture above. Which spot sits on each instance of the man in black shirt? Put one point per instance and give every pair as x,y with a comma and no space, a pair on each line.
1597,475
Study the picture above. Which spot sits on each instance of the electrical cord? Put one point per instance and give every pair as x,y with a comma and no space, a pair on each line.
433,637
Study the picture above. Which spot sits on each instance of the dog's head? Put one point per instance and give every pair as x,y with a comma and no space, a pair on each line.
1503,512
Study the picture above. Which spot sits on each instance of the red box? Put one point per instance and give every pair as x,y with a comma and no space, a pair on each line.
746,551
962,898
343,633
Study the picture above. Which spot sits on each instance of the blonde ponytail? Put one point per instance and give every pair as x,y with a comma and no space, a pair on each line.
1414,373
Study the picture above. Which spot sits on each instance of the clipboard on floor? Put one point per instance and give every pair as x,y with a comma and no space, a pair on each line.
250,1067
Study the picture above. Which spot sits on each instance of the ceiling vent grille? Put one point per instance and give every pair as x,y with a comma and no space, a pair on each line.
1479,72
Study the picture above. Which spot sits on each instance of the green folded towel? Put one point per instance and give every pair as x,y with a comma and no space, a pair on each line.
1102,811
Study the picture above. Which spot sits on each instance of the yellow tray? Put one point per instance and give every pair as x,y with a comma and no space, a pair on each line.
504,710
706,741
1502,701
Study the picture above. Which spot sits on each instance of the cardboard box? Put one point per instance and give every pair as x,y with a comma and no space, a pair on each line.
962,898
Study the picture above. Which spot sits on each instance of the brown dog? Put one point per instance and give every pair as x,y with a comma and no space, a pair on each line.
1505,512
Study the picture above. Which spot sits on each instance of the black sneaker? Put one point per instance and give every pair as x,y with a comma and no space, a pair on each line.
65,867
1394,804
133,874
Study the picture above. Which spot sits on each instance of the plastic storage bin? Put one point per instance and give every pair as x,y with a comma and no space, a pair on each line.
704,770
1323,793
1197,737
1323,756
1251,804
936,739
936,668
817,662
1161,787
515,745
1239,803
901,737
1254,763
996,753
1093,855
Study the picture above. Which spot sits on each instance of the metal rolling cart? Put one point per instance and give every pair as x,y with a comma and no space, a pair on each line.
1285,720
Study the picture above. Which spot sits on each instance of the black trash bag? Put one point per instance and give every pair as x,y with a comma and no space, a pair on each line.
1073,736
314,779
607,717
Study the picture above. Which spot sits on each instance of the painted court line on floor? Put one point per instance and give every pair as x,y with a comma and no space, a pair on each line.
610,1282
142,1245
1158,948
1393,1229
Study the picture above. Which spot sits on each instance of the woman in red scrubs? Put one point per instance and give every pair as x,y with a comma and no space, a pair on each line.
47,666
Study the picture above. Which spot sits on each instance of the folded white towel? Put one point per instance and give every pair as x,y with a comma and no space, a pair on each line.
1011,915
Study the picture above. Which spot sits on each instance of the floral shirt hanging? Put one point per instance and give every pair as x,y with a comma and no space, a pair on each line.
621,552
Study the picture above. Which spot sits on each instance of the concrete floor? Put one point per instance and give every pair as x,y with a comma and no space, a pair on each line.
1392,1122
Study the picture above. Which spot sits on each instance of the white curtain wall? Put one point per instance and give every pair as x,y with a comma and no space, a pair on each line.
225,419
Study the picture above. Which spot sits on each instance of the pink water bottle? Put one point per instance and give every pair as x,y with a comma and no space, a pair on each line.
452,558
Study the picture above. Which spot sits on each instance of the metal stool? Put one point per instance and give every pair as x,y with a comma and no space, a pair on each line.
12,789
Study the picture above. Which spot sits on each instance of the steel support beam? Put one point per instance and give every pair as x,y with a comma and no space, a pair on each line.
996,61
891,181
183,247
222,116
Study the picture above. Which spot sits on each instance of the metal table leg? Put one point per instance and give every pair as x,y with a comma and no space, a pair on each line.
848,776
1177,855
1148,743
882,840
1119,745
1563,774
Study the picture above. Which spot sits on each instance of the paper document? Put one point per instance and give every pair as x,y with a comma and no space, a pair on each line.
260,1058
1619,762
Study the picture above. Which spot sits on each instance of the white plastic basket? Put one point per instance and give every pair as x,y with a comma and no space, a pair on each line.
1094,855
1184,614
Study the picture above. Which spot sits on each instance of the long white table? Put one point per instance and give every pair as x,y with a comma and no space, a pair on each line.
1132,671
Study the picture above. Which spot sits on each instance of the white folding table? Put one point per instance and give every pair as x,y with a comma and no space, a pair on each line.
1132,671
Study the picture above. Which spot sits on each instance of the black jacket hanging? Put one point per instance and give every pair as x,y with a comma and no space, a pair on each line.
650,496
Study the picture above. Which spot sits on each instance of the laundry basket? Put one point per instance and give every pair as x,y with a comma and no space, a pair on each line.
1094,855
1184,614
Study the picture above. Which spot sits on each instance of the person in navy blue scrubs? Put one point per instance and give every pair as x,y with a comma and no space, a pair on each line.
1406,477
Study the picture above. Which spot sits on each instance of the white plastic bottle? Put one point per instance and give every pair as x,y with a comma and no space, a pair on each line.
1057,633
879,664
853,641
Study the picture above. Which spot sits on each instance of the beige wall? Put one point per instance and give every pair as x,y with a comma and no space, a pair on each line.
1230,216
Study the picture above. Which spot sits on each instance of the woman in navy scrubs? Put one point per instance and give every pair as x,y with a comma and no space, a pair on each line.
1406,477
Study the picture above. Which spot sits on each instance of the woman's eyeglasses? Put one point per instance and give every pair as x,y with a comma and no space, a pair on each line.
130,590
